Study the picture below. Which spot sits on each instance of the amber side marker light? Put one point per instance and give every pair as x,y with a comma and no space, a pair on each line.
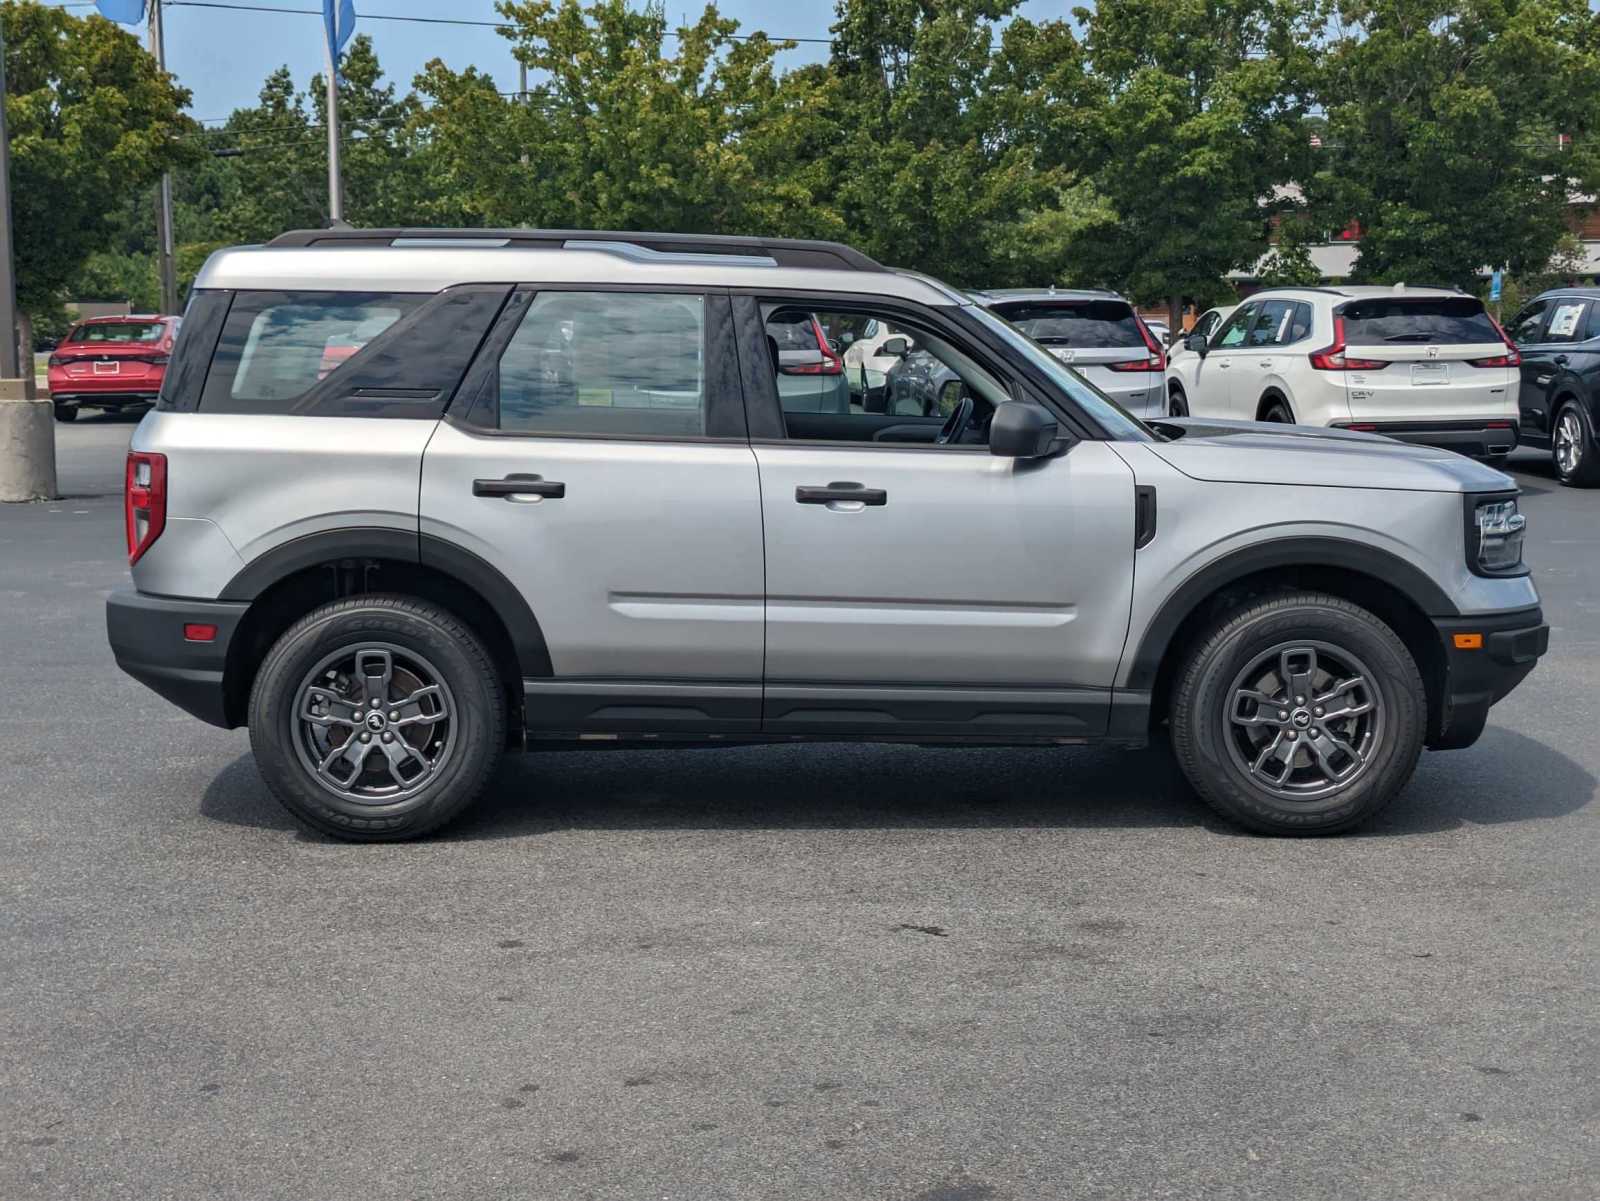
1469,642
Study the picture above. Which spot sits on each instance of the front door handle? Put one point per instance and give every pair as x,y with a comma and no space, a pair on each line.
1561,360
520,485
840,491
1266,363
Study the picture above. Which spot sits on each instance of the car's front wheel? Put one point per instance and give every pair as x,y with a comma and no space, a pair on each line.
66,412
1302,713
377,718
1572,448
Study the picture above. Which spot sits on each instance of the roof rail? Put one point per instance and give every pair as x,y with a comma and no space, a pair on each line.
784,252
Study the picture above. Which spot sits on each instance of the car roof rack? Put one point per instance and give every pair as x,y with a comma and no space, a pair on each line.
783,252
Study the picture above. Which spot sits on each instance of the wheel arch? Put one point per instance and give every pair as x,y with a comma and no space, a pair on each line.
1395,591
290,580
1271,394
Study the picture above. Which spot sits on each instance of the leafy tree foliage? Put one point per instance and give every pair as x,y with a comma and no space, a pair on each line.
1446,120
91,120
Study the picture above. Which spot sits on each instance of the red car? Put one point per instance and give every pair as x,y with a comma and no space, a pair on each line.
110,363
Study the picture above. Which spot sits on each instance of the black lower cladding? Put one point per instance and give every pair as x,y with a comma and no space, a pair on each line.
1477,678
1472,438
147,637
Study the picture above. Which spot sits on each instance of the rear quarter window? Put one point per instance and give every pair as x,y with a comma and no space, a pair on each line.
1082,323
1434,319
349,354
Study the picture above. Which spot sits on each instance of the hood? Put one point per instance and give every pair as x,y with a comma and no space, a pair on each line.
1249,452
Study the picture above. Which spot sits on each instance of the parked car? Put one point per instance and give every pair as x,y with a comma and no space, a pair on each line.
1097,333
811,375
1161,331
395,569
1183,363
1558,337
110,363
1425,365
867,364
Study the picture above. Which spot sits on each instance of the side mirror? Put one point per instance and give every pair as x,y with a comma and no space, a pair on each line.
1021,430
1196,343
896,347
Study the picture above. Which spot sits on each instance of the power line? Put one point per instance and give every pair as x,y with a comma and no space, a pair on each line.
234,6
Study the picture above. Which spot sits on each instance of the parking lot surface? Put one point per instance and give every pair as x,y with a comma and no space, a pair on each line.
829,971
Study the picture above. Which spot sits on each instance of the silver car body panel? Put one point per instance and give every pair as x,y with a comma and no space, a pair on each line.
265,480
977,571
650,567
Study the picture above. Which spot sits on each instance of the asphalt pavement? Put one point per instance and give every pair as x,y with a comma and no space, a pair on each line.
828,971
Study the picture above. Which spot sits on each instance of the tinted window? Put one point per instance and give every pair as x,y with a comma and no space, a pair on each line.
1594,321
1526,325
1436,319
119,331
1567,322
342,354
1085,323
1207,325
1271,327
606,363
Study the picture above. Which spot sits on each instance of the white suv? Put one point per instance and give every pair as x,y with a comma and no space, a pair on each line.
1424,365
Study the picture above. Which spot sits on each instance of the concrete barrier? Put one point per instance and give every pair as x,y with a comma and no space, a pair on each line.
27,443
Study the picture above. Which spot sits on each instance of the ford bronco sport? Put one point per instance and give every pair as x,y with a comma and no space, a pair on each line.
414,497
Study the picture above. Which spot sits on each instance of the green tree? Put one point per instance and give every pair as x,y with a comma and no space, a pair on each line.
1445,119
1201,108
91,119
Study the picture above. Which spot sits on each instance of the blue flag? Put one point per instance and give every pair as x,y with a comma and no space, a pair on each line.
126,12
339,17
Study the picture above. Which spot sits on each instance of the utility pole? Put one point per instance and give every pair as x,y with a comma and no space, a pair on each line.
169,273
522,94
27,424
335,180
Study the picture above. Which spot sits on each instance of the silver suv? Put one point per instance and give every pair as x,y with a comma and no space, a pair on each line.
414,497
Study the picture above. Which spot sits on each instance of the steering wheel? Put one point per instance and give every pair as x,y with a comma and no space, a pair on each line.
955,425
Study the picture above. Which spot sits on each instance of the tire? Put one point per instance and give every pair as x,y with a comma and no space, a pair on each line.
1573,453
442,689
1218,733
66,412
1177,403
1277,411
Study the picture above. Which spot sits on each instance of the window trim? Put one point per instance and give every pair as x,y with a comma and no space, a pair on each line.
723,412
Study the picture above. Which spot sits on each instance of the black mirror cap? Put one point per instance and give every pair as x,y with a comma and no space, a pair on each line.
1196,343
1022,430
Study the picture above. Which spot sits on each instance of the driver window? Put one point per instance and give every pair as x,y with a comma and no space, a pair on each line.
1233,333
850,376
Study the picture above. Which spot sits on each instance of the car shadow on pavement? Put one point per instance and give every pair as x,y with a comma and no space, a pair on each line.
847,785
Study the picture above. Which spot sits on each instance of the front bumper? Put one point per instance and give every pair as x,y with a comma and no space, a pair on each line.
1476,439
147,638
1475,679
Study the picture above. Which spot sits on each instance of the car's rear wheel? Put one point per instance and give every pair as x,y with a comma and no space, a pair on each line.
1177,402
377,718
1276,410
66,412
1301,714
1573,453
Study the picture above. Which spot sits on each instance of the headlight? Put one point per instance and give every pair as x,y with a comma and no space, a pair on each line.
1497,530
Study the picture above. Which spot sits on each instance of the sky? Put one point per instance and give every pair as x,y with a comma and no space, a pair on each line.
223,54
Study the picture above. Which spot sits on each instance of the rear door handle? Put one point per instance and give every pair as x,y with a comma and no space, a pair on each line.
1561,359
840,491
520,485
1266,363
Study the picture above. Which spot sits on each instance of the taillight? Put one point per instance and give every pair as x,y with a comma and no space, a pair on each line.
1511,358
144,501
831,363
156,360
1332,357
1158,357
56,360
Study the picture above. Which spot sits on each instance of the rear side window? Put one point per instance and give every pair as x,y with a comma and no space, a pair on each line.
630,364
1082,323
119,331
1435,319
351,354
1567,320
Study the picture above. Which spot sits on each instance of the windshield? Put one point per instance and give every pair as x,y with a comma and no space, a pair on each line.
1116,420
